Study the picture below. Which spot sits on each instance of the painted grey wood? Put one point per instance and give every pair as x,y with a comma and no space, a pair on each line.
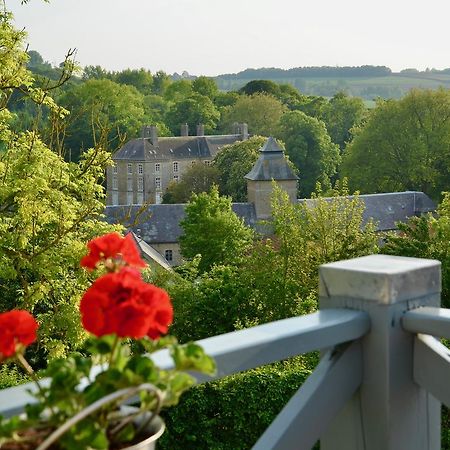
249,348
308,413
427,320
390,411
381,278
263,344
432,367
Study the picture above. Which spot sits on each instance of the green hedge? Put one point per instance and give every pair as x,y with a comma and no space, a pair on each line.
232,413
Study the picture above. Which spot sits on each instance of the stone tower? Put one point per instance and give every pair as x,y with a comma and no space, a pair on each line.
271,166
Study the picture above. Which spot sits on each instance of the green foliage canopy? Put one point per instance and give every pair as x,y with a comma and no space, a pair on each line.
260,111
198,178
102,111
48,210
233,162
193,110
213,230
405,145
310,149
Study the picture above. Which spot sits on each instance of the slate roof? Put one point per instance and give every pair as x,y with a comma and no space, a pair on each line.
150,254
388,208
141,149
271,164
160,223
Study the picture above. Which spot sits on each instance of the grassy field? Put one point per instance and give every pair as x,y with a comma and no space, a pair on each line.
369,88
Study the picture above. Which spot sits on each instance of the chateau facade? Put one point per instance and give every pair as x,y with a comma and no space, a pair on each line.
144,167
159,225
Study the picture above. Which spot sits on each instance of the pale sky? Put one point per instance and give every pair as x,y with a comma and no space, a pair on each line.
208,37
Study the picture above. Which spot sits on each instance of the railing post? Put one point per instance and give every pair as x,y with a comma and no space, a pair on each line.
389,411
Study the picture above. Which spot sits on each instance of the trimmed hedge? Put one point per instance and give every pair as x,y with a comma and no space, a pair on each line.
232,413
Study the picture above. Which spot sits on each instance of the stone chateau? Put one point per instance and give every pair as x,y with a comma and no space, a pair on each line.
145,166
158,225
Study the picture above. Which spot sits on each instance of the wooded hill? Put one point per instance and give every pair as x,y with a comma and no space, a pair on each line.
367,82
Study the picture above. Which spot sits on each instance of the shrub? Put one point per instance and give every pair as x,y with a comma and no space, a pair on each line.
233,413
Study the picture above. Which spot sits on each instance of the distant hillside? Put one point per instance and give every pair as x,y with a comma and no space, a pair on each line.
367,82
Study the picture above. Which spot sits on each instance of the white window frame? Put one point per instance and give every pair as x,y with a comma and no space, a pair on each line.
129,183
115,184
115,169
130,198
176,167
158,198
158,183
140,168
140,184
129,168
140,198
115,198
157,167
176,178
207,162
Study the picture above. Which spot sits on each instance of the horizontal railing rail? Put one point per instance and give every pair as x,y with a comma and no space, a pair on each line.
246,349
381,369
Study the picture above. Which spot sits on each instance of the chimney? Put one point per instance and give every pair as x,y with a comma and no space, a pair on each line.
184,131
150,132
200,129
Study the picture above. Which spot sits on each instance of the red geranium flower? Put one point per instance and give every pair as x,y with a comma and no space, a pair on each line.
112,249
123,304
17,328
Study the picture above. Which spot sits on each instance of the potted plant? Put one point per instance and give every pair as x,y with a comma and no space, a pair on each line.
81,406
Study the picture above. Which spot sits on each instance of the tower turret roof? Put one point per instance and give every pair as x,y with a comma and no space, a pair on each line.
271,164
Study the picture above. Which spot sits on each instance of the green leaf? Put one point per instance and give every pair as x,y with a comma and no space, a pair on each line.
126,434
192,357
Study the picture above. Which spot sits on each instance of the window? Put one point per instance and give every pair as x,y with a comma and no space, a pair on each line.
158,198
193,163
129,184
115,170
115,198
168,254
140,198
207,163
140,169
129,168
140,186
157,167
158,183
115,183
175,178
175,166
129,198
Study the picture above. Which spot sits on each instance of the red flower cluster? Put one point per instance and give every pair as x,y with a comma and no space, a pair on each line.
17,329
112,250
121,303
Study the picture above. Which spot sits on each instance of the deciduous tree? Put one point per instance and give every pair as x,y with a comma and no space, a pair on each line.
405,145
310,149
195,180
260,111
233,162
213,230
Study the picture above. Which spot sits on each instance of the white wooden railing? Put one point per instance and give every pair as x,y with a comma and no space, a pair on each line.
382,374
